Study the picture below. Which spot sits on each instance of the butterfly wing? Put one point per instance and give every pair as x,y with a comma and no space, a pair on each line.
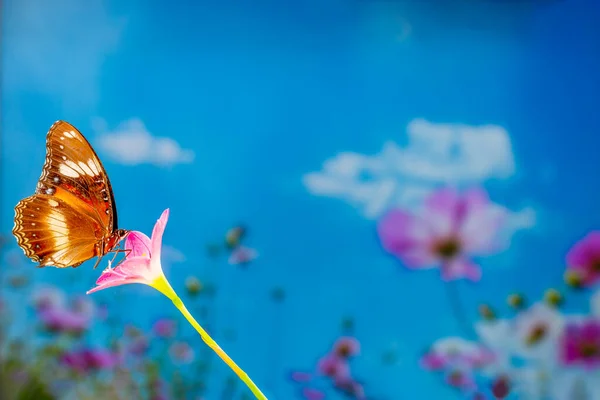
73,172
52,232
73,209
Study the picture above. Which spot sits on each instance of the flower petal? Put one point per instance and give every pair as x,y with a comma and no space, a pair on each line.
132,270
406,237
441,211
479,230
585,252
113,283
461,268
138,243
157,234
135,267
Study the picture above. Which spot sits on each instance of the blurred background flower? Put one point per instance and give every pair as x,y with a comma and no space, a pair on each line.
321,156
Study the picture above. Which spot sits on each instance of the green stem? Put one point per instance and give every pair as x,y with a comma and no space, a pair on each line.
163,286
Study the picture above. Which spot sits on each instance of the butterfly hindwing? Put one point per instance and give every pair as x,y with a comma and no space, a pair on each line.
51,232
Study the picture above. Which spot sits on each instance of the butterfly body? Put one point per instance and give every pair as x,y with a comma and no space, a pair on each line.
72,216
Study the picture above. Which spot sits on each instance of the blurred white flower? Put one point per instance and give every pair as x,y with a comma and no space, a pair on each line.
538,330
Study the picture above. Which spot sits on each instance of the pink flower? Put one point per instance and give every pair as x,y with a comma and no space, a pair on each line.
346,347
142,264
83,306
90,360
300,377
501,387
460,379
164,328
62,320
48,297
138,345
242,255
350,387
333,366
181,353
312,394
451,229
580,344
583,259
433,361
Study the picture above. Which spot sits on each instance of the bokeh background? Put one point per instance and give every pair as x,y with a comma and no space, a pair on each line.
302,125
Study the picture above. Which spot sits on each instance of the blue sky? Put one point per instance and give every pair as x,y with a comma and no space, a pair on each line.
249,99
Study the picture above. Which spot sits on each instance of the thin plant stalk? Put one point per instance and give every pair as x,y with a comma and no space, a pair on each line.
163,286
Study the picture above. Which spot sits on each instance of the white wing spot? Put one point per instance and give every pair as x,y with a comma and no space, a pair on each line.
66,171
64,158
70,134
75,167
62,138
84,167
52,202
61,146
33,224
93,166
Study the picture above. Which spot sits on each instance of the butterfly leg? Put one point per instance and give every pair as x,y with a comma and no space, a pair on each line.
117,251
97,262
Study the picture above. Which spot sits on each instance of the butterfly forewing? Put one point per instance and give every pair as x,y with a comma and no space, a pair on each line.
72,168
72,216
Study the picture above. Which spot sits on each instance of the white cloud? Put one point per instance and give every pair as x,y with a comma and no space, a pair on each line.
130,143
57,48
435,154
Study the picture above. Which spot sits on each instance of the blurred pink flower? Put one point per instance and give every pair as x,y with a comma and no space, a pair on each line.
333,366
346,346
584,259
242,255
142,264
300,377
432,361
580,344
501,387
350,387
90,360
164,328
312,394
83,306
181,353
451,229
48,297
460,379
138,345
62,320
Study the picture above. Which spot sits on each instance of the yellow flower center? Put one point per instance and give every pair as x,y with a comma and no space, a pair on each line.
537,333
589,349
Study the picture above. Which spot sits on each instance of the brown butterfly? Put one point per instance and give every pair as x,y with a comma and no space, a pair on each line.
72,217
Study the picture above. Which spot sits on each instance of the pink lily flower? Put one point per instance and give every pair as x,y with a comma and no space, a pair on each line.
142,265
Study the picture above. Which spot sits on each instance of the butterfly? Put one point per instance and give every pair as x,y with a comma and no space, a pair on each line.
72,217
